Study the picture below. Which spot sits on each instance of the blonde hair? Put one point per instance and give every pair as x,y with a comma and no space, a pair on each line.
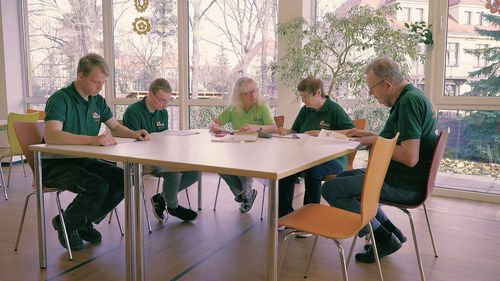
236,102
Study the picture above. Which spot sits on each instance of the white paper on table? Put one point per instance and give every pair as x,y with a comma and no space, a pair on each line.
327,138
289,136
179,133
124,140
243,137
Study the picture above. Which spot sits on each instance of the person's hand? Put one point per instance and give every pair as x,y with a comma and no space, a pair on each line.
282,131
214,128
367,140
103,140
141,135
312,133
358,133
250,128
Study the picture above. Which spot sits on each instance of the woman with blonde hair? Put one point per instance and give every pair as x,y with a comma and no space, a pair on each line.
248,112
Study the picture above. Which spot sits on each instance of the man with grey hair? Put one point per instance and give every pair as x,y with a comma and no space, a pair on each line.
73,116
406,181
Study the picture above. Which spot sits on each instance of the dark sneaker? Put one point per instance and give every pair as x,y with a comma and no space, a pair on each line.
75,242
401,237
239,198
183,213
247,203
90,234
384,249
158,206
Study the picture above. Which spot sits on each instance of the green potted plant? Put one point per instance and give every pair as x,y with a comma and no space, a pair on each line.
338,47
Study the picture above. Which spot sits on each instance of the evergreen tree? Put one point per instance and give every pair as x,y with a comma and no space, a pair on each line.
486,80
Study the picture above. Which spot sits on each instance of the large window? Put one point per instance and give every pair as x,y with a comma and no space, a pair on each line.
145,48
59,32
227,40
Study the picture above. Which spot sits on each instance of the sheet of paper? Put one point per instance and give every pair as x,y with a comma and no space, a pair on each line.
124,140
289,136
237,137
179,133
347,144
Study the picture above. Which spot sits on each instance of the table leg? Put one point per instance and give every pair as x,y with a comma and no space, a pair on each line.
139,233
272,254
130,250
199,191
42,235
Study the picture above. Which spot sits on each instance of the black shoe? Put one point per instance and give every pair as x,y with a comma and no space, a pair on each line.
158,206
90,234
183,213
384,249
75,242
401,237
239,198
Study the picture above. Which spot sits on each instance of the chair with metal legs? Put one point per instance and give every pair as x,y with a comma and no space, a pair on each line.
29,133
334,223
13,149
436,161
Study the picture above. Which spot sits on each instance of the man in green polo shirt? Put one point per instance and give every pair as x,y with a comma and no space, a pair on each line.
406,180
73,116
151,115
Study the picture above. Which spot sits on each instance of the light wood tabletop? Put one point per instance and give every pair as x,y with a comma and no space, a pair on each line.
271,159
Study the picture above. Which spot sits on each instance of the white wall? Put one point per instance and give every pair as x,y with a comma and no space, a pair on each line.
11,86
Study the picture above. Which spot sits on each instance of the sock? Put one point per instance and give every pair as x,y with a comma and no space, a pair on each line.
389,226
381,234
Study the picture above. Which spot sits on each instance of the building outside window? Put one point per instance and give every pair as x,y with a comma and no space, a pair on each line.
452,54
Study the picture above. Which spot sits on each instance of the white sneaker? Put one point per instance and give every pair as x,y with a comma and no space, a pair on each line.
281,228
304,235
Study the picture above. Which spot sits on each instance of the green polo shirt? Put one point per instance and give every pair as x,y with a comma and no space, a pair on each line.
331,116
257,115
411,116
78,116
137,116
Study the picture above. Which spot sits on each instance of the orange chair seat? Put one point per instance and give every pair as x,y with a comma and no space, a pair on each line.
312,217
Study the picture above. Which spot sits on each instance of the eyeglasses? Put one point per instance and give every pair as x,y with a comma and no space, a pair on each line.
305,96
370,89
163,101
250,92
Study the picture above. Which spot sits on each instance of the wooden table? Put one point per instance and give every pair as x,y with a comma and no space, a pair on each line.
271,159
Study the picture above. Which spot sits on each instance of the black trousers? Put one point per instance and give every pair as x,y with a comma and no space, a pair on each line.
98,185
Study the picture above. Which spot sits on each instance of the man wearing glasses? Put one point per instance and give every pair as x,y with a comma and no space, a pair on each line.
151,115
406,181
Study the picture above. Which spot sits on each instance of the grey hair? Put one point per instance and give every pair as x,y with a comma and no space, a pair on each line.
236,102
386,68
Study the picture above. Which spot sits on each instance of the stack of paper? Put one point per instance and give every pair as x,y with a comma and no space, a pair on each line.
332,138
236,137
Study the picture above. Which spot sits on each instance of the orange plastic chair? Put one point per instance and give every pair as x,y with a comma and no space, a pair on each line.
41,113
436,161
334,223
279,121
29,133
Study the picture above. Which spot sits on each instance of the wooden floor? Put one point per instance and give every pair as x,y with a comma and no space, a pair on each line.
228,245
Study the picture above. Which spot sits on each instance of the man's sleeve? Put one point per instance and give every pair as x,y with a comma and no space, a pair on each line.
411,114
56,108
131,120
